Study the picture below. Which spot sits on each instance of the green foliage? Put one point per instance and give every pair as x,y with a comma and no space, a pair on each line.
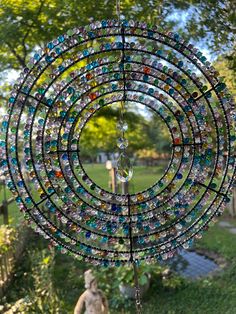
7,238
27,24
37,294
63,278
227,71
144,132
125,274
210,20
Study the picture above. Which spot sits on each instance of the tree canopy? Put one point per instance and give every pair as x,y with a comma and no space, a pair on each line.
26,24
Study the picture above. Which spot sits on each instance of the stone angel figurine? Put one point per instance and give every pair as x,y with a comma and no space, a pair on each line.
93,299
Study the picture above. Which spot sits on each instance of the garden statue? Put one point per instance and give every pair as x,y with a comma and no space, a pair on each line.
92,299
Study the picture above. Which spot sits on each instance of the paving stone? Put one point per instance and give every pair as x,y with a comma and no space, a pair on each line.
224,224
232,230
195,266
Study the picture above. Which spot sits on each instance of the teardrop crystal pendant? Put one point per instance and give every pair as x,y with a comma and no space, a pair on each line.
122,143
124,168
122,126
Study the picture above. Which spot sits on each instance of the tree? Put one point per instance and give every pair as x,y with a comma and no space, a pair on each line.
221,65
26,25
100,133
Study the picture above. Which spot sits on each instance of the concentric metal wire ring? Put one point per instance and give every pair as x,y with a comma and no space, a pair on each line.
64,86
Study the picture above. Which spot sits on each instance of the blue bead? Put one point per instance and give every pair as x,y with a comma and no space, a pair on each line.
107,46
61,68
179,176
104,23
104,239
49,101
11,100
150,34
50,190
13,149
18,199
48,59
5,124
52,209
37,56
50,45
105,263
119,45
58,50
41,121
61,38
64,157
88,234
151,91
67,189
14,161
20,184
86,52
176,37
28,200
91,35
80,190
31,109
171,91
125,23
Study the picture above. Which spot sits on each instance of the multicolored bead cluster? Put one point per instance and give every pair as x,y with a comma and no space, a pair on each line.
64,85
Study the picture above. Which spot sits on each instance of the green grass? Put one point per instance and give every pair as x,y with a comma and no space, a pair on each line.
211,295
143,177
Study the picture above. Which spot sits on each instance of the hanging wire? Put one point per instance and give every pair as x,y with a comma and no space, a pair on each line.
122,110
118,10
136,283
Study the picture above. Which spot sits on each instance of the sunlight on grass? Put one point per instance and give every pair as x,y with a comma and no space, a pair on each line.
143,176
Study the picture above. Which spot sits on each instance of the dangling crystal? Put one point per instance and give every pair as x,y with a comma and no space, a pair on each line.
122,126
124,168
122,143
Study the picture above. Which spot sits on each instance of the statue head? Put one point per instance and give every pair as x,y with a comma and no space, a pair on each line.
90,281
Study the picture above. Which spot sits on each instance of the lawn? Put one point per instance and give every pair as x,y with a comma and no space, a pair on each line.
143,176
53,281
62,278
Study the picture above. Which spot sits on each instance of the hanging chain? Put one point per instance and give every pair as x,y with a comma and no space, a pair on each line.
136,283
122,111
137,290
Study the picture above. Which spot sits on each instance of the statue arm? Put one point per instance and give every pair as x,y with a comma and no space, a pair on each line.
105,304
80,304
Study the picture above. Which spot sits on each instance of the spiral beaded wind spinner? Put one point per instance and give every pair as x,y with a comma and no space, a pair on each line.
64,85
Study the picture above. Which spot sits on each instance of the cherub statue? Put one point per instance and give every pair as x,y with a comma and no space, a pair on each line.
92,299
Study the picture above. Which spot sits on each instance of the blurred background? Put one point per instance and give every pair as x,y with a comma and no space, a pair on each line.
34,278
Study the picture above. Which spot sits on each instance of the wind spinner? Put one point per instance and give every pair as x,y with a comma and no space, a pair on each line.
64,85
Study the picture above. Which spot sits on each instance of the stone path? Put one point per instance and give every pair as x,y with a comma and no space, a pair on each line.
190,264
228,225
232,230
224,224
